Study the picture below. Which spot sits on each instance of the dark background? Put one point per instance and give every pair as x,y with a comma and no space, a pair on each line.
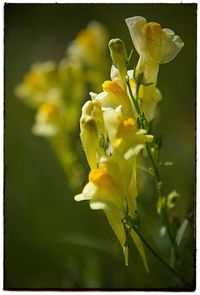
50,240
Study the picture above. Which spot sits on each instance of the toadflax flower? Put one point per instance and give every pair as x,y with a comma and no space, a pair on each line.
155,46
111,141
39,85
47,120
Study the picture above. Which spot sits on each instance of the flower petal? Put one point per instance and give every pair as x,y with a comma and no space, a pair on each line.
140,248
88,192
133,151
117,226
115,76
163,45
136,26
172,48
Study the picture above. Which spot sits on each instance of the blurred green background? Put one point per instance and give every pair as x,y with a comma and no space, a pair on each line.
52,242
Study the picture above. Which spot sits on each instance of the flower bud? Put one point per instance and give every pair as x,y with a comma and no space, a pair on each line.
118,52
119,56
92,126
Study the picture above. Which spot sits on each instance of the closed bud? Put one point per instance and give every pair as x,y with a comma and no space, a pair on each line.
119,56
117,52
92,126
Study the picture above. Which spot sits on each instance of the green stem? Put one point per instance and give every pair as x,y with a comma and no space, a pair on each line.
158,257
145,125
155,168
133,98
160,194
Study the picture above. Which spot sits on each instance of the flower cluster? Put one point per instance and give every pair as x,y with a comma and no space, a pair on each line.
112,131
56,92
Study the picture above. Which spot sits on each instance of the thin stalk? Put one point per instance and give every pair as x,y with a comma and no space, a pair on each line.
153,163
133,98
158,257
155,168
160,194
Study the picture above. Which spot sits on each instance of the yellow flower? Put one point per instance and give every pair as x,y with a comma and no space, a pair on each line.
39,85
111,141
162,45
124,136
89,49
47,121
104,189
155,46
114,95
94,36
108,190
104,193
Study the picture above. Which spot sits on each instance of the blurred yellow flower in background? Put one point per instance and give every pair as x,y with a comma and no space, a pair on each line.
56,91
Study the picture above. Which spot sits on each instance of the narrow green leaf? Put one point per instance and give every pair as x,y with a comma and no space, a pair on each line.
179,238
129,57
181,231
140,247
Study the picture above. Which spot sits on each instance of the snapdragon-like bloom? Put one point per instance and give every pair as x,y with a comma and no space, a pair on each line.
109,128
155,46
111,141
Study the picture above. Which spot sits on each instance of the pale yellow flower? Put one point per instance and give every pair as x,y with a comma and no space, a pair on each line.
155,46
39,85
111,141
47,120
123,133
114,95
107,189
